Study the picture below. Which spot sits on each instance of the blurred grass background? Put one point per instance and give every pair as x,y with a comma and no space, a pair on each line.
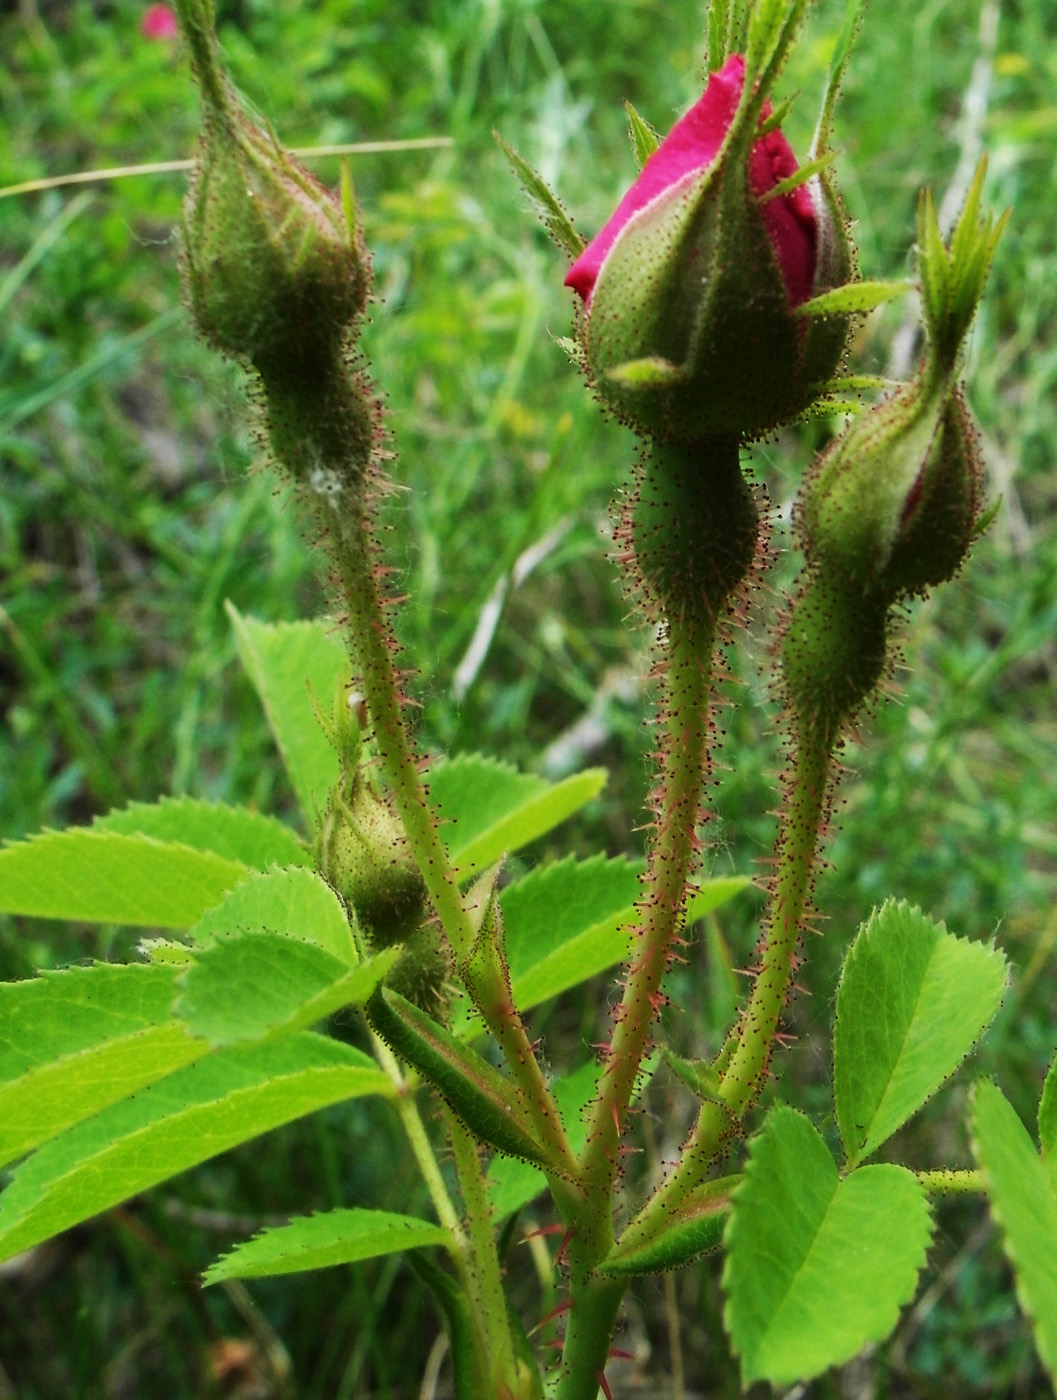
132,503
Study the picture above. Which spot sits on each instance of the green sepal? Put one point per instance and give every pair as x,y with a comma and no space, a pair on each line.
699,1076
478,1094
694,1228
854,298
557,221
644,139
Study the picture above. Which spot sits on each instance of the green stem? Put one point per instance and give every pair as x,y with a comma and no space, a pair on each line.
683,760
592,1319
502,1368
418,1140
352,550
753,1043
951,1182
693,529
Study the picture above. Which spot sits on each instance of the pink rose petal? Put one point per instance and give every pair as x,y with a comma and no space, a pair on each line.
159,22
691,145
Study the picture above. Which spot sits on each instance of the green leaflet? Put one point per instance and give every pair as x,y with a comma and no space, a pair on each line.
264,985
1024,1203
295,902
73,1042
235,833
321,1241
105,877
196,1113
292,664
571,920
913,1001
513,1183
486,1102
488,808
816,1266
694,1229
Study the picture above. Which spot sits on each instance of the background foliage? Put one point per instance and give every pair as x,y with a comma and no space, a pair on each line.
132,504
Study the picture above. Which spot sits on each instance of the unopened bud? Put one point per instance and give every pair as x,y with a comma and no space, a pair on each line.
691,290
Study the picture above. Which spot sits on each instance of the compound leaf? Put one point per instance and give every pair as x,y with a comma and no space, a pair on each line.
294,666
236,833
489,808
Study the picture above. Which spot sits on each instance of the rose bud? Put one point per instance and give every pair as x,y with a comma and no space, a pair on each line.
893,505
690,291
276,273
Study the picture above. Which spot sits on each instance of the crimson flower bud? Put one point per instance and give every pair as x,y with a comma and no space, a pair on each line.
691,289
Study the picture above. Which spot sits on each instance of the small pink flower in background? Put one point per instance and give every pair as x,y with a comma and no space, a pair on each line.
159,22
692,144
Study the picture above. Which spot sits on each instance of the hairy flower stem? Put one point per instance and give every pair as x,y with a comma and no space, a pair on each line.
350,546
692,529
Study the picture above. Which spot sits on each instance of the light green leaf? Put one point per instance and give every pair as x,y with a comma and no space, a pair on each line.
1025,1205
513,1183
566,922
291,664
489,808
557,221
235,833
817,1267
255,985
856,296
104,877
644,139
913,1001
569,921
321,1241
72,1042
196,1113
294,902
